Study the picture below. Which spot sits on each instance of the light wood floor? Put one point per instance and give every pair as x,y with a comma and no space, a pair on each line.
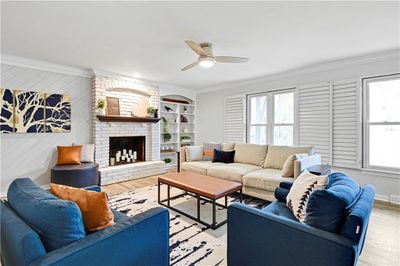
382,246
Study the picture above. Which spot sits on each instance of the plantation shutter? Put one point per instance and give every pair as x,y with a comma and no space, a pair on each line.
314,118
345,124
235,119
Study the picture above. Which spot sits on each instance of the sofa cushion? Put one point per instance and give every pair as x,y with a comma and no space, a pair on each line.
250,154
277,155
288,166
232,171
227,146
58,222
280,209
194,153
327,209
199,167
69,155
266,179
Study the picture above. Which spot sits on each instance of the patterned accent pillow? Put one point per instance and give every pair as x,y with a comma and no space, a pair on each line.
300,192
208,150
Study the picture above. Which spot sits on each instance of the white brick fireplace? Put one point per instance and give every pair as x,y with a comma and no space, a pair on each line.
129,93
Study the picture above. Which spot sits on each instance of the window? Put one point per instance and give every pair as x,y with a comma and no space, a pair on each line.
382,122
271,118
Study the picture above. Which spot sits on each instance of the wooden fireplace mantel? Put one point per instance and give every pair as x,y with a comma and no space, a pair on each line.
104,118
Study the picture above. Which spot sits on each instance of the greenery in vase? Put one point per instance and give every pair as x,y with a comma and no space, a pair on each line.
151,110
167,137
101,104
186,138
167,160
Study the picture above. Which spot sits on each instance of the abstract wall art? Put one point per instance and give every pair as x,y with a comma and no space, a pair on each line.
7,111
28,111
58,113
34,112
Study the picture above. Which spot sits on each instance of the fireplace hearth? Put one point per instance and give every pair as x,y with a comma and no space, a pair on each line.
127,150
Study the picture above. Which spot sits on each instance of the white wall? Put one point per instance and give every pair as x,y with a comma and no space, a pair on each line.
32,155
210,105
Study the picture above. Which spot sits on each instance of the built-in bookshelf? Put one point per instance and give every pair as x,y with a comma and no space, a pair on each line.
177,129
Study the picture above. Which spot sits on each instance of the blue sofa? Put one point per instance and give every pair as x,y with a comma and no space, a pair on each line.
273,236
139,240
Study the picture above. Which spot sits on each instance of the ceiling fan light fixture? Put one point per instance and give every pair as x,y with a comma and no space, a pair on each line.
206,62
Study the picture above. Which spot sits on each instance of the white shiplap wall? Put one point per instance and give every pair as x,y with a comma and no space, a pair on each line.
32,155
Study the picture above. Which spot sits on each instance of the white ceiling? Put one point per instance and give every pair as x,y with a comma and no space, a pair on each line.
148,38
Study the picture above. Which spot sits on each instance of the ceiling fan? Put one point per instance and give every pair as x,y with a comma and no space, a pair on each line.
207,59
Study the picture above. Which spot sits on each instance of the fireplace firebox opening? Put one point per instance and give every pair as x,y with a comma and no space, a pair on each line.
126,150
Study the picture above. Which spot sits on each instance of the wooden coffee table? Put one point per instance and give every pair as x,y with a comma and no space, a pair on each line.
201,187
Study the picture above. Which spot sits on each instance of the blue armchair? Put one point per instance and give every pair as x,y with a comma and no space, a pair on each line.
139,240
272,236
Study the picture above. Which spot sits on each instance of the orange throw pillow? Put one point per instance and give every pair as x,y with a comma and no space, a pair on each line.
93,205
69,155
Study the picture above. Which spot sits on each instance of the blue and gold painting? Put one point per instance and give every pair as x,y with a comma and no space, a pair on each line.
29,111
7,111
58,113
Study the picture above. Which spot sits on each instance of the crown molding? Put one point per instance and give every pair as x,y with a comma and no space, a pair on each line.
45,66
326,66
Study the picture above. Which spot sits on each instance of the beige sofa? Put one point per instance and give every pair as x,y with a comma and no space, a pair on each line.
257,167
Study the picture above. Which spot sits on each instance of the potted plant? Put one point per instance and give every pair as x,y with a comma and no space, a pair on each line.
167,160
167,137
101,107
151,111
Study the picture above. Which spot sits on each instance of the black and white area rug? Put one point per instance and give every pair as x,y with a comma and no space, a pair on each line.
191,243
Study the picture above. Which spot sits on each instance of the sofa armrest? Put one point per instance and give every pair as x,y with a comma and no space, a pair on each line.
139,240
256,237
303,163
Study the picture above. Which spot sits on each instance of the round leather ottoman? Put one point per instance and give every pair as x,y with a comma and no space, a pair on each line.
79,175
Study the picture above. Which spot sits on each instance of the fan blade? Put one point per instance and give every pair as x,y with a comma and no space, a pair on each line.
196,48
231,59
190,66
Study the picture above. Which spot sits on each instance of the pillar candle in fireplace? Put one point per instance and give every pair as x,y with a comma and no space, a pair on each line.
117,158
123,158
124,152
130,152
134,155
112,161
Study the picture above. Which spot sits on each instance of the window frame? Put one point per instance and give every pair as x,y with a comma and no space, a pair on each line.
366,124
270,118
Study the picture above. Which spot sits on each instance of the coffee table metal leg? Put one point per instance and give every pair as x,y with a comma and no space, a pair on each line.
198,207
158,197
168,195
241,196
226,201
214,210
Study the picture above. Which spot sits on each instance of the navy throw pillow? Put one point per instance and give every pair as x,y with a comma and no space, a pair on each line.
327,209
223,156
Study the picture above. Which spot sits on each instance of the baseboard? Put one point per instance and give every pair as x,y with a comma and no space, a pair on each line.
394,199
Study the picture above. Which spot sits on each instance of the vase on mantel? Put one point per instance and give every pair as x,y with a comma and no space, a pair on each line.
101,112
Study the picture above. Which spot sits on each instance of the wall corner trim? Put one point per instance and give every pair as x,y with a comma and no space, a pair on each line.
45,66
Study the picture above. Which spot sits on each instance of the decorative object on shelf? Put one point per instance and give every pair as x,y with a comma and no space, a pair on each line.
167,137
140,109
185,130
151,111
57,113
184,119
184,109
156,113
7,111
167,160
168,109
174,100
112,106
101,107
186,138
